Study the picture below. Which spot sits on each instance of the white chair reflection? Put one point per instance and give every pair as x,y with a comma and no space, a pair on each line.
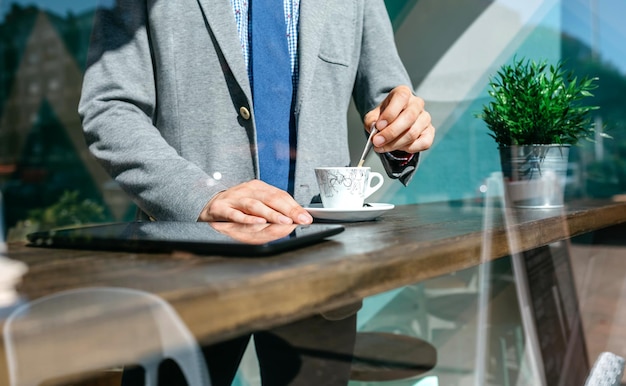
606,371
87,330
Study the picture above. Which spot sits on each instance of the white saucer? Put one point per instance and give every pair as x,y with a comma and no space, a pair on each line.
367,213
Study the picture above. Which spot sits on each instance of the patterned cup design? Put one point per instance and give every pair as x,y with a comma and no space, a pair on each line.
347,187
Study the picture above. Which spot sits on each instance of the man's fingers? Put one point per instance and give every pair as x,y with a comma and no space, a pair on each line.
283,204
371,118
399,99
223,210
423,142
397,137
255,202
413,141
264,209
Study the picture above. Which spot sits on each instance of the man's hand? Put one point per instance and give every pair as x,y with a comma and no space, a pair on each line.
255,202
402,122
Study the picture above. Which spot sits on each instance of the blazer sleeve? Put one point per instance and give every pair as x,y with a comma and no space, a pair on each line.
117,109
380,70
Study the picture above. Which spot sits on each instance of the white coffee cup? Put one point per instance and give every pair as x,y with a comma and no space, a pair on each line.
347,187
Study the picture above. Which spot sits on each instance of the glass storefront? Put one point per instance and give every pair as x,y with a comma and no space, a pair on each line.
49,179
44,162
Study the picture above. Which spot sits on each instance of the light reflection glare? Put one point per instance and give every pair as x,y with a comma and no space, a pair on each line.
214,179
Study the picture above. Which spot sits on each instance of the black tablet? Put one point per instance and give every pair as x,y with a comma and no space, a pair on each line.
218,238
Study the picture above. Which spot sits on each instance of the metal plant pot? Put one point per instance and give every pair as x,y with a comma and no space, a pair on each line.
535,174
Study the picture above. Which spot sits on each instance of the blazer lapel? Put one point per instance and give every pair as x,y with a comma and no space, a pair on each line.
312,20
221,22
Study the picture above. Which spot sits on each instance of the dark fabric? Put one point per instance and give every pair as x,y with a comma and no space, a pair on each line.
400,165
272,92
311,352
223,359
133,376
169,374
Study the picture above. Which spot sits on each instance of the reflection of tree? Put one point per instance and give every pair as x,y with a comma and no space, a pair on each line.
14,33
48,166
42,56
17,29
68,210
75,31
607,176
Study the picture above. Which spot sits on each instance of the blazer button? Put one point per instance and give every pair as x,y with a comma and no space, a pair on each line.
244,112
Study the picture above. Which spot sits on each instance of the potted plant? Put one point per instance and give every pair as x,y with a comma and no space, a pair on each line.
535,114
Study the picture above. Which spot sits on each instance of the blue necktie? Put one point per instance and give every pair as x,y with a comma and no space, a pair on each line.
272,91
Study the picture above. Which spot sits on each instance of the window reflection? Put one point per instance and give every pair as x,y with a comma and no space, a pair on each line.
43,159
44,48
41,335
48,179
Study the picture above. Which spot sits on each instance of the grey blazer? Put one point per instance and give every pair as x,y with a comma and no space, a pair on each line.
166,93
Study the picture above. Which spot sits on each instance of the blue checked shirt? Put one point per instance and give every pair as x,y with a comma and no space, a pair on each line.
292,16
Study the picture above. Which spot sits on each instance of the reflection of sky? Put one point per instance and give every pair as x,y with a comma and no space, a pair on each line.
59,7
612,32
610,29
523,9
577,21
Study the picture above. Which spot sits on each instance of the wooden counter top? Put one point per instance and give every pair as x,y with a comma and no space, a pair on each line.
220,297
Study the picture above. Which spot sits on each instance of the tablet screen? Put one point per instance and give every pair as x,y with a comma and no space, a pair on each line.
219,238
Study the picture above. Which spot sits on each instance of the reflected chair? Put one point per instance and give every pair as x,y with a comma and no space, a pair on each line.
606,371
82,331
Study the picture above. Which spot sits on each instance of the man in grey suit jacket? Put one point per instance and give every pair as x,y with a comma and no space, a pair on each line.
167,107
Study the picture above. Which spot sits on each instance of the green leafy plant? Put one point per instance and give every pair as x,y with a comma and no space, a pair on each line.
536,103
68,210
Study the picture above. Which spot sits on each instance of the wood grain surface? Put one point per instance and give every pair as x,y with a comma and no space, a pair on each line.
219,297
